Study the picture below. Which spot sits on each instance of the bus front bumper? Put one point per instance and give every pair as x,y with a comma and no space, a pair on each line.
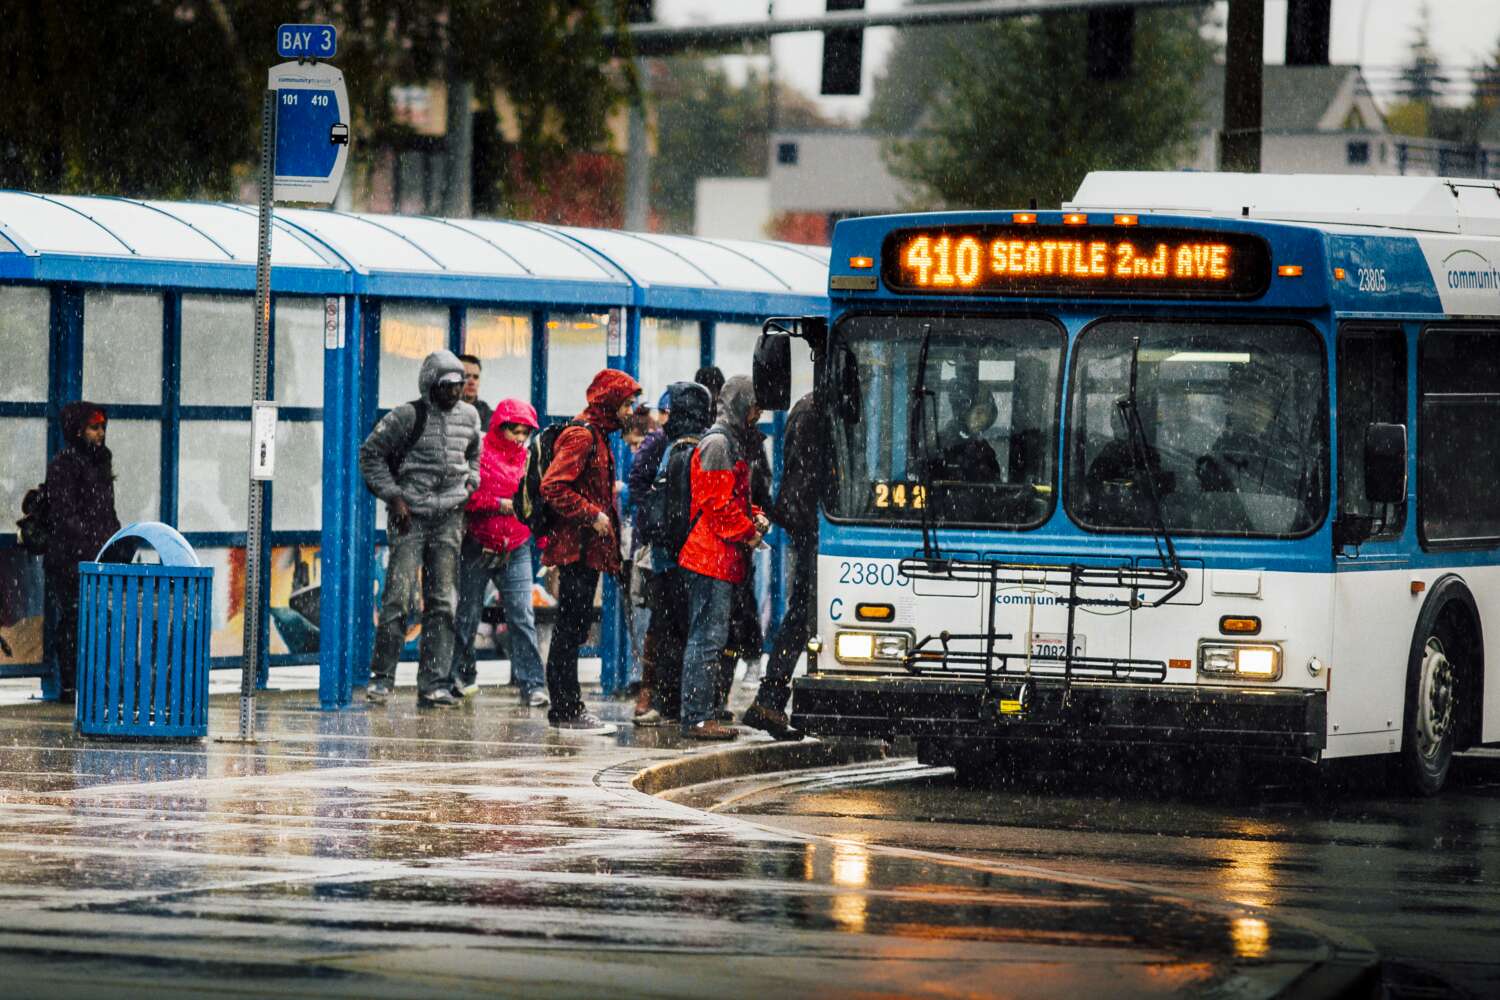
1279,720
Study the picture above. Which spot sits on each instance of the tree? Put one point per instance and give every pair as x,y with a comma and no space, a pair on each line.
706,126
162,97
1010,113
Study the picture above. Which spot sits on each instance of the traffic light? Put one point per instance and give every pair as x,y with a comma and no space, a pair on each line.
843,54
1111,43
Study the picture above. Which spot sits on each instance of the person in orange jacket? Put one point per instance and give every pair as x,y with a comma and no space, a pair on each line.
727,527
583,535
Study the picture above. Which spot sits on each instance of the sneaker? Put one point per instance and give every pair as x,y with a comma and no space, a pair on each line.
537,699
725,715
441,698
650,717
768,720
712,729
378,694
585,722
462,690
753,672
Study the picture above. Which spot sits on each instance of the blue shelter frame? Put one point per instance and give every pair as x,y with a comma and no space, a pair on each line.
112,291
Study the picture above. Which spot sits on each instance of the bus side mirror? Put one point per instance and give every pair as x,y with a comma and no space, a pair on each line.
771,370
1385,463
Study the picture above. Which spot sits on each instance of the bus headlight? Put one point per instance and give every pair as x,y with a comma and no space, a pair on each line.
871,647
1252,660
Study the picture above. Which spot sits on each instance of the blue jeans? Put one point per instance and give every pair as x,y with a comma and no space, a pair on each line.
709,602
511,575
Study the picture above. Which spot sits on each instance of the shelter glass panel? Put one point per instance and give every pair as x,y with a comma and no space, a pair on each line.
575,354
671,351
24,319
213,475
408,333
122,335
299,351
502,343
218,349
23,464
734,346
298,503
136,446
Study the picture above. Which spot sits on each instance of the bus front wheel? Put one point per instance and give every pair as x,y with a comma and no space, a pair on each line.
1432,703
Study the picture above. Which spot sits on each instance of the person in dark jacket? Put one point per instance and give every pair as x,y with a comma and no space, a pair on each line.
796,511
689,413
425,495
727,527
583,536
81,517
473,372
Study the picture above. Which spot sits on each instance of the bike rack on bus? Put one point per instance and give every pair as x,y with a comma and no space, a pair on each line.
1091,585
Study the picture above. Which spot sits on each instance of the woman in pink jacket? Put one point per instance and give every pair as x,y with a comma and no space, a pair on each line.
496,549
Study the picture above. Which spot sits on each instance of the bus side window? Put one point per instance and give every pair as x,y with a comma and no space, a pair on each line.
1371,389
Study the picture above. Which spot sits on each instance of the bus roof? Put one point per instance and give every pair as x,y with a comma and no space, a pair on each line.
1424,204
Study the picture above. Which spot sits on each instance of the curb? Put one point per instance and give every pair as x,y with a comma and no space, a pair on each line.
761,758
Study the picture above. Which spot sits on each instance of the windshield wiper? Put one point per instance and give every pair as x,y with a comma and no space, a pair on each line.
1140,458
919,394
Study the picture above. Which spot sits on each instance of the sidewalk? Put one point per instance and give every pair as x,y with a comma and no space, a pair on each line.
384,851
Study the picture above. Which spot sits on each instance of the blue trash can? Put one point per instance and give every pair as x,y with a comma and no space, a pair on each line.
143,633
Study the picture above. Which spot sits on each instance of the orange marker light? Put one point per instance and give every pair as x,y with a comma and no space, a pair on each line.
1417,586
875,612
1127,220
1338,274
861,263
1179,664
1023,218
1239,625
1290,270
1075,219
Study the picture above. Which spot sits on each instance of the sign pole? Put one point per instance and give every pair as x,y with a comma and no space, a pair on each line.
259,392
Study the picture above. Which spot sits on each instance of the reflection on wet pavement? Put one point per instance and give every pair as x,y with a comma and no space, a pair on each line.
390,852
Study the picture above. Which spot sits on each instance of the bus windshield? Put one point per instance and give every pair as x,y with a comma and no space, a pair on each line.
981,451
1235,419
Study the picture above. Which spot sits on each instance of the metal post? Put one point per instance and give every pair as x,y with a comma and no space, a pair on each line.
638,161
260,372
1244,55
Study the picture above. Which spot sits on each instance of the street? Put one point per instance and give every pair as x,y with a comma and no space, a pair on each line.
1418,878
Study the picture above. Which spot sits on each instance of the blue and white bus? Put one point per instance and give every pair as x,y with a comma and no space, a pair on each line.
1198,460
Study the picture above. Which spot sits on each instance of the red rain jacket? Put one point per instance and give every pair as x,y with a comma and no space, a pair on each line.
722,514
502,465
580,482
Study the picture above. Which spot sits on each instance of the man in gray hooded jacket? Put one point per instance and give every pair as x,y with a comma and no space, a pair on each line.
424,480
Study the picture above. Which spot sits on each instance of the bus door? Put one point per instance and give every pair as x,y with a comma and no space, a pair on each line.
1373,617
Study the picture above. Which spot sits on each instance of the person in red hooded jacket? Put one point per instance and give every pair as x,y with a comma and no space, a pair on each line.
726,528
583,535
496,549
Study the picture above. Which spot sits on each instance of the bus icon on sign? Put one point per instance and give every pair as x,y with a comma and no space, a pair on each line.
338,134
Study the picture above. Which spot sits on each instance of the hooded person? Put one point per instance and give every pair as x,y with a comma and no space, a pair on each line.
422,459
689,413
80,490
496,550
727,526
583,536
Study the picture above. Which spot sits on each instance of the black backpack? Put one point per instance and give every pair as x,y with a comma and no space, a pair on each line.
395,459
34,525
664,517
531,510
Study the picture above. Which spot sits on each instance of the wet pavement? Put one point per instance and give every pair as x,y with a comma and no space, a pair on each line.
1418,878
392,852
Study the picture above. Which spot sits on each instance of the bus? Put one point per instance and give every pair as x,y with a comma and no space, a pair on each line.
1196,461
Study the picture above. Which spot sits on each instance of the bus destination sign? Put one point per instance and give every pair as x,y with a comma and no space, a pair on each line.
1073,260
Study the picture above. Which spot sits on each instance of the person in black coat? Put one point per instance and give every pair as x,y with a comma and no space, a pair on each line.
81,517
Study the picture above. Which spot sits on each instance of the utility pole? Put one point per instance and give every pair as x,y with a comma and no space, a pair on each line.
1239,144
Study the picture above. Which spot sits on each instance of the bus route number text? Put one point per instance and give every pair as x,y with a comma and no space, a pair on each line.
899,495
872,574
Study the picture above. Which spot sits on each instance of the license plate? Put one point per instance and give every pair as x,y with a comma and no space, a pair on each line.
1054,645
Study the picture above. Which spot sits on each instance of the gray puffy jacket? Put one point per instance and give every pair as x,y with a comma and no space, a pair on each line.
442,467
